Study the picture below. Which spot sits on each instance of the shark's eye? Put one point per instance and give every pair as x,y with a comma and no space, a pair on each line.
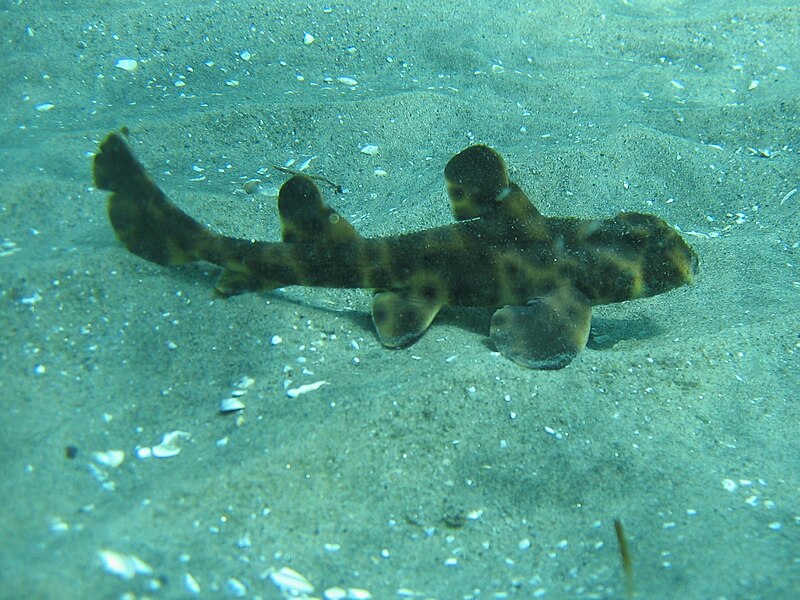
504,193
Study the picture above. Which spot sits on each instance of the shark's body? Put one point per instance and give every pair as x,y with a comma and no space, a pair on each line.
541,274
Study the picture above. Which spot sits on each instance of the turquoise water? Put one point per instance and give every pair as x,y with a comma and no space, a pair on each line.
442,470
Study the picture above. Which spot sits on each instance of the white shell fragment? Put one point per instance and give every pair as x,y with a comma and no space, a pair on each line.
245,382
251,186
308,39
7,247
45,107
110,458
337,593
347,81
190,583
229,405
369,149
123,565
289,581
304,165
236,588
170,444
127,64
245,55
304,389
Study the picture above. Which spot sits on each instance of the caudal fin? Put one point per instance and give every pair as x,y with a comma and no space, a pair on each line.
143,218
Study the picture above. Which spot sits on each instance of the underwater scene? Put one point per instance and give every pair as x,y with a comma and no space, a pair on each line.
380,300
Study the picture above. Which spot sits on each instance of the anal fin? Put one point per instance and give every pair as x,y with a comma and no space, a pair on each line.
236,280
547,333
400,320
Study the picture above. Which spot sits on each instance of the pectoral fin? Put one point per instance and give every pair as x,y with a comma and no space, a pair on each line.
399,320
547,333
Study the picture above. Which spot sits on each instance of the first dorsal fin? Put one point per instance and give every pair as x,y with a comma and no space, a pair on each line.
305,218
478,186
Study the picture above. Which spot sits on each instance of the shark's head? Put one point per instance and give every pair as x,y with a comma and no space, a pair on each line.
637,256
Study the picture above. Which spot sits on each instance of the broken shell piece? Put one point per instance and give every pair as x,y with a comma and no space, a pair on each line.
245,382
127,64
252,186
291,582
229,405
369,149
190,583
304,389
123,565
170,444
110,458
236,587
304,165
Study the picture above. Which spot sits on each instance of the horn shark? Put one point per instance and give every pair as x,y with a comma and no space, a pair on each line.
541,275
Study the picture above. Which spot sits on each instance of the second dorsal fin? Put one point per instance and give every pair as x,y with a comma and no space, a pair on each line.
305,218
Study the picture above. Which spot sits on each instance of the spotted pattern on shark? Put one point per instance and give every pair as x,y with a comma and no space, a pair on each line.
540,275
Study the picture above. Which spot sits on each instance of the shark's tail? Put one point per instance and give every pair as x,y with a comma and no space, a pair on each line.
154,228
143,218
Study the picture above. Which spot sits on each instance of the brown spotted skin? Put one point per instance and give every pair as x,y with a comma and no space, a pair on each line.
501,253
492,262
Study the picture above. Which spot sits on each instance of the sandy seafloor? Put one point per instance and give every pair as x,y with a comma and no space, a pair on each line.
442,470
